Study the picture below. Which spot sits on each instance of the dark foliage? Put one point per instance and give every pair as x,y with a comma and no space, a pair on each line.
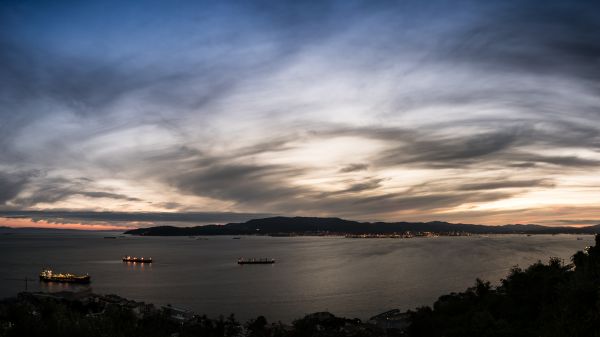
48,316
550,300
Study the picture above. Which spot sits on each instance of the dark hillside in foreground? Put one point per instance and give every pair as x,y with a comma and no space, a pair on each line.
550,300
303,225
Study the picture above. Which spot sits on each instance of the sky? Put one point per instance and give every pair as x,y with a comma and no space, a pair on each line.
125,114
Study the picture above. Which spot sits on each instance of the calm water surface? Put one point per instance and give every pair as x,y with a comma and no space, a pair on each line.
349,277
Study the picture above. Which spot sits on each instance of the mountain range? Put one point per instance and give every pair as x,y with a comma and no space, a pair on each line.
305,225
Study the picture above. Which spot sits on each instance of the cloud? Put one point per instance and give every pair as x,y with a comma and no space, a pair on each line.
244,184
354,167
131,218
450,150
504,145
428,201
11,184
553,38
365,185
502,184
97,194
47,190
491,102
275,188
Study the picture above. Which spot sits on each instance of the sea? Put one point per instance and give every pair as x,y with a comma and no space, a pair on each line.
355,278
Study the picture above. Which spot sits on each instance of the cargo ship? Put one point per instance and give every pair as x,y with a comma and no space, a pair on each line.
255,261
48,275
137,259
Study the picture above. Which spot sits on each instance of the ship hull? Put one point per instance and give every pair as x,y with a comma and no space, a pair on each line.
137,261
80,279
256,262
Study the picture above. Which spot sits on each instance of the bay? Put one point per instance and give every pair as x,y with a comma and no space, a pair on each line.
348,277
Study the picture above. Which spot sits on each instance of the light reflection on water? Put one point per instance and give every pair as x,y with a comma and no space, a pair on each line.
57,287
136,266
350,277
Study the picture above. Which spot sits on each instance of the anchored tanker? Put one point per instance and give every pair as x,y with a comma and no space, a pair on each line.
255,261
49,276
137,259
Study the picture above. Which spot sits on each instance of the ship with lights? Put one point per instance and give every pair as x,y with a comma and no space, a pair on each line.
136,259
48,275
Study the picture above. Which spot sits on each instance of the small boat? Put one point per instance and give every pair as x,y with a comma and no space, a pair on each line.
255,261
579,239
110,237
48,275
237,238
137,259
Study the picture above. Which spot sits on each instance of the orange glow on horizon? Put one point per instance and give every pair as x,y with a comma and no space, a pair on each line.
28,223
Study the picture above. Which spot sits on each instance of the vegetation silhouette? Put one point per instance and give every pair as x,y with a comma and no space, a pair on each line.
551,300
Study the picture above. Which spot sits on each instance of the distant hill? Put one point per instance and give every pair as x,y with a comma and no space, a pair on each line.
286,225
